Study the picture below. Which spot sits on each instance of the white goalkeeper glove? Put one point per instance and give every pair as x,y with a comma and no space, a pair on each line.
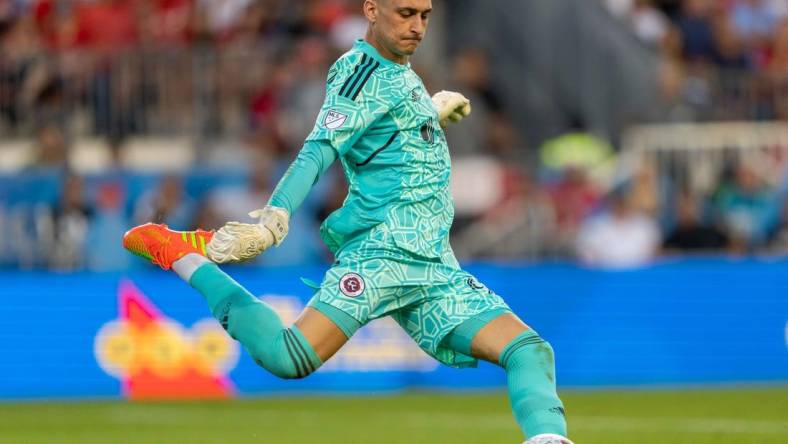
238,242
452,107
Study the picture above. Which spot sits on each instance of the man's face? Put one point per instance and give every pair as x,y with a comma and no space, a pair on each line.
400,25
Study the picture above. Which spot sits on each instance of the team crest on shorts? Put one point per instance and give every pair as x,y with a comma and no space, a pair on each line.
351,285
334,119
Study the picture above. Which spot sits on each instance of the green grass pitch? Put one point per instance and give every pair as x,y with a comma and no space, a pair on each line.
757,416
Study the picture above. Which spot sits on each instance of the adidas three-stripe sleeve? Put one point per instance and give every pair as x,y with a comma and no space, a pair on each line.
349,108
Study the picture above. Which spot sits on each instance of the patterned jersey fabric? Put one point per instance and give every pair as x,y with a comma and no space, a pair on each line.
381,120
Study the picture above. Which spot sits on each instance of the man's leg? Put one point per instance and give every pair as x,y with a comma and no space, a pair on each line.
287,352
530,370
292,352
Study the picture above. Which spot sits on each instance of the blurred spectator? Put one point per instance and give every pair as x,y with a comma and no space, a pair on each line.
167,203
646,194
778,62
777,71
695,24
521,226
619,237
648,22
22,69
471,71
671,8
754,20
51,148
108,225
730,51
56,23
107,26
167,22
676,87
779,242
748,208
63,232
574,197
267,102
691,234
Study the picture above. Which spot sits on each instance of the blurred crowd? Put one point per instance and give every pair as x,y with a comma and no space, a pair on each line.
57,218
734,48
573,207
121,67
242,81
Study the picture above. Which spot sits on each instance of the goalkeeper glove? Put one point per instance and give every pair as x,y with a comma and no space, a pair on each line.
238,242
452,107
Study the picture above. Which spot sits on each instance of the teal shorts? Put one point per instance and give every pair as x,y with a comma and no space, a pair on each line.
428,299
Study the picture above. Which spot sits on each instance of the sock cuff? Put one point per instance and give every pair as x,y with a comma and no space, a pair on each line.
523,339
186,266
202,273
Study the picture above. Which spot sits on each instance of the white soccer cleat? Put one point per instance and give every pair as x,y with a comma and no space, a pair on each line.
548,438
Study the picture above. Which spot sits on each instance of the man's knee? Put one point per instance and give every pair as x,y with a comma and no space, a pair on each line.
283,370
487,335
289,356
528,349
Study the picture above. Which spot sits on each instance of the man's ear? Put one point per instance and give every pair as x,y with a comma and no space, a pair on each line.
371,10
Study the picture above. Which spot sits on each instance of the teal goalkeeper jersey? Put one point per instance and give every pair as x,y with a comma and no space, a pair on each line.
381,121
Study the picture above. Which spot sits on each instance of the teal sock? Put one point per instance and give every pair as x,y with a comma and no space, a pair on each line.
530,371
282,351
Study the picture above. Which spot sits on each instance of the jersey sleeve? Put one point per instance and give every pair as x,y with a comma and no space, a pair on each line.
312,162
355,99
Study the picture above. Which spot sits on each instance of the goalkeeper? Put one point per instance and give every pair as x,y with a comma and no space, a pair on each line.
390,238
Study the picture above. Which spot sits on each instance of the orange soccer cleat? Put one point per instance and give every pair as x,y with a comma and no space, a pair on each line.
162,246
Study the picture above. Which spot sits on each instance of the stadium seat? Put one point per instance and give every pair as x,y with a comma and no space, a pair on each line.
15,155
157,154
90,155
476,184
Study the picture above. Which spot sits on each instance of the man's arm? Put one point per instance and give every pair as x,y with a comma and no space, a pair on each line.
236,242
312,162
342,120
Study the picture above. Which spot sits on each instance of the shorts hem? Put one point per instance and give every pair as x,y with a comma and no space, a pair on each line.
459,339
345,322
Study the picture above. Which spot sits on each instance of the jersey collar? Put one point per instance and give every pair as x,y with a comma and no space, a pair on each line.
363,46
